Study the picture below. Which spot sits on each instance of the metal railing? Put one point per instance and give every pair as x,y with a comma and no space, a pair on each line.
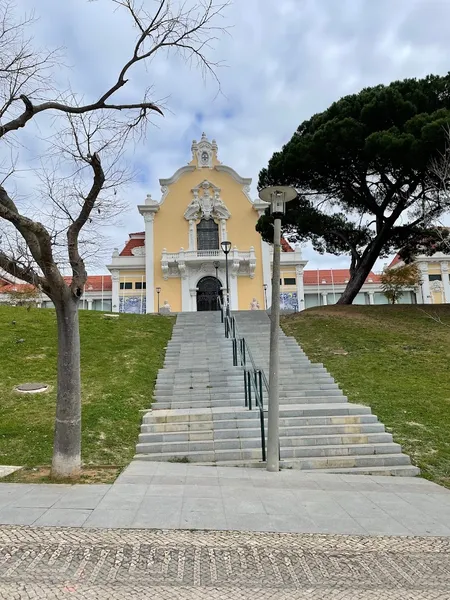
255,381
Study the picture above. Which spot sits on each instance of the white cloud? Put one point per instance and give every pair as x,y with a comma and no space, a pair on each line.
286,60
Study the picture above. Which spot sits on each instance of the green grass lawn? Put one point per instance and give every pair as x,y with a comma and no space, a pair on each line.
395,359
119,363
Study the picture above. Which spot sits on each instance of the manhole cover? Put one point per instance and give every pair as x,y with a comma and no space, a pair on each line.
31,388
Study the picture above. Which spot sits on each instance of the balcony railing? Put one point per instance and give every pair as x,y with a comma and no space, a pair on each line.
175,264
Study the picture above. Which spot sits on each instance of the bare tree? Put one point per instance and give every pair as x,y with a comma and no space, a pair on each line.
90,137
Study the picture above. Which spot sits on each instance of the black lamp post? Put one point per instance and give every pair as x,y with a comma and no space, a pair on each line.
265,295
158,291
216,265
226,247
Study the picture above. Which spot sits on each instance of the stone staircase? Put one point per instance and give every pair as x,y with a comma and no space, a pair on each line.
199,415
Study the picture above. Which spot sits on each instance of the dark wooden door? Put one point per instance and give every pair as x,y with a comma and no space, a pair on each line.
208,290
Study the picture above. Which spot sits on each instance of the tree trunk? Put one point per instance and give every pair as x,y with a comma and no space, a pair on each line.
67,441
357,278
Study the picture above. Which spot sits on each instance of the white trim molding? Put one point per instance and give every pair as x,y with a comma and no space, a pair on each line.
165,183
445,281
246,182
115,276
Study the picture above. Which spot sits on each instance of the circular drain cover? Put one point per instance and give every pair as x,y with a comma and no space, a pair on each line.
32,388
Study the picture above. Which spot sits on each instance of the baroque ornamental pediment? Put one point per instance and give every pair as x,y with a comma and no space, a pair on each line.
206,204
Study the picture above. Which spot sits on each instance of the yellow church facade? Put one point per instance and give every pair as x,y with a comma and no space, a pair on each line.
177,262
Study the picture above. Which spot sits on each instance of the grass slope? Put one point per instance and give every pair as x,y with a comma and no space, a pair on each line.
394,359
119,363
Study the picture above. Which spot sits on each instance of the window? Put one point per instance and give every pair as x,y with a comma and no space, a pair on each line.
139,285
207,235
290,281
435,277
126,285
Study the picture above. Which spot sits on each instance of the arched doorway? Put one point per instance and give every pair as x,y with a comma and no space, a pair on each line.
208,289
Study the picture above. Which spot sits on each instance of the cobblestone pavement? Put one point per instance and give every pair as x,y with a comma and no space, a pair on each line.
54,563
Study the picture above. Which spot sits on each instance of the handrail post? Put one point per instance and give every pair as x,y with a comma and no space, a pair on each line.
245,388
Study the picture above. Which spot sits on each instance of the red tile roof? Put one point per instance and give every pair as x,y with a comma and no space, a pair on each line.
336,276
130,245
94,283
395,261
285,246
16,287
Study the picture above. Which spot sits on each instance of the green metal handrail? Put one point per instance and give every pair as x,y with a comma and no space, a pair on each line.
254,377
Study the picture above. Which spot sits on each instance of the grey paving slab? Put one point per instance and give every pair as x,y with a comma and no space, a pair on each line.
331,524
111,519
203,520
318,502
385,526
63,517
201,491
11,515
161,503
39,498
236,505
81,498
155,519
214,506
165,490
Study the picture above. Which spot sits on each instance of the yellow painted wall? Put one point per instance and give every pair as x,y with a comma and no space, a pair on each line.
247,290
131,276
434,268
170,291
437,297
288,272
171,231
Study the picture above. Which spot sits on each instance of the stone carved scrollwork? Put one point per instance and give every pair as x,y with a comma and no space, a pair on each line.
138,251
252,262
436,286
149,217
165,264
164,192
206,204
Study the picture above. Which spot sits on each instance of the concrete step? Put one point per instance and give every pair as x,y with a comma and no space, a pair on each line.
306,433
363,464
390,471
225,439
199,413
251,457
322,448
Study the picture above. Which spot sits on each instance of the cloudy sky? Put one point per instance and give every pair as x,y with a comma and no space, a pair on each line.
284,61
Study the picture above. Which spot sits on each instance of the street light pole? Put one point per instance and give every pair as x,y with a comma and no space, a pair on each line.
277,197
158,291
216,265
265,296
226,247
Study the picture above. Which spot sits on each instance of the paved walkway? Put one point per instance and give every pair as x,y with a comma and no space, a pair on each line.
131,564
186,496
135,540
